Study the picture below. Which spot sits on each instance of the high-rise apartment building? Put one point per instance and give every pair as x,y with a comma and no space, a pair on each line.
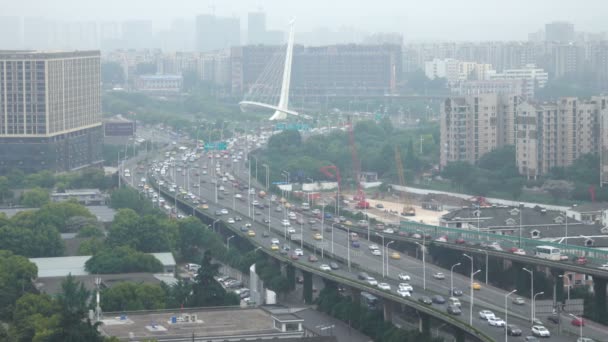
50,110
11,36
256,28
531,76
556,134
215,33
559,31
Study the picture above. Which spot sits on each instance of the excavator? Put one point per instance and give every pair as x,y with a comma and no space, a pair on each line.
407,209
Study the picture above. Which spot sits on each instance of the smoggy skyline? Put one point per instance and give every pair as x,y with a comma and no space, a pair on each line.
416,20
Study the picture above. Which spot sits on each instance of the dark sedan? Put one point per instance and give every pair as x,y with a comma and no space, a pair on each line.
425,300
437,299
513,330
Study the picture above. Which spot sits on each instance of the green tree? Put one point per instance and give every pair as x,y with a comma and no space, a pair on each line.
74,325
91,246
129,296
5,192
16,274
206,290
122,259
29,311
35,198
191,237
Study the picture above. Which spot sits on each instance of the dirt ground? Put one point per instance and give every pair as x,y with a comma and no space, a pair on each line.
422,215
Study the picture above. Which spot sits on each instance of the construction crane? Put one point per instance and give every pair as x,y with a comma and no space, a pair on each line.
359,197
407,210
326,170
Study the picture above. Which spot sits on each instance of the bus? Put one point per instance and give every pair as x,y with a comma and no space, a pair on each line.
548,252
369,299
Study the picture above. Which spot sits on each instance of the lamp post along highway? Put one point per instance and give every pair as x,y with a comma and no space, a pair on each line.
228,241
568,288
382,237
332,237
507,313
534,304
531,293
388,244
486,253
471,295
452,278
347,245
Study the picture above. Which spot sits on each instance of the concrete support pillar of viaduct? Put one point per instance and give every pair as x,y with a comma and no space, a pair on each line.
424,324
307,287
356,293
387,310
559,285
290,273
459,335
599,288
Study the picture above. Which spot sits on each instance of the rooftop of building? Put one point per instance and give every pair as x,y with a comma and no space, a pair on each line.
117,119
161,77
103,213
73,192
536,222
37,54
75,265
229,323
52,285
589,207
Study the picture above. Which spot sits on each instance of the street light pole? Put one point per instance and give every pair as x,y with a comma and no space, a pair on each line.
531,293
383,274
580,325
387,244
507,313
486,253
422,249
452,278
347,244
568,289
471,295
228,242
534,304
213,224
332,237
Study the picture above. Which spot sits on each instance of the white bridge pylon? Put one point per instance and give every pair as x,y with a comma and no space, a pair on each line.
282,108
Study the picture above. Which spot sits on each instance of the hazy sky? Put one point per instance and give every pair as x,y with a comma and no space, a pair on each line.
419,19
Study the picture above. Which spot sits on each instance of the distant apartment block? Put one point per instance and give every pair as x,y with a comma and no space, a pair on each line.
50,110
464,88
545,135
159,83
556,134
532,78
470,127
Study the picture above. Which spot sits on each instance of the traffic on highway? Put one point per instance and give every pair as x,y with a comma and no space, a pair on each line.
219,184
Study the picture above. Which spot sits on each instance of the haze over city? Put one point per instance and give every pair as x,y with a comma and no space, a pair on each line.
416,20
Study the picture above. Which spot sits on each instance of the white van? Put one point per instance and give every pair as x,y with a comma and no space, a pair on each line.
454,301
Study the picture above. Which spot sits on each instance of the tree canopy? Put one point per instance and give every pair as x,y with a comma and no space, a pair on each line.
122,259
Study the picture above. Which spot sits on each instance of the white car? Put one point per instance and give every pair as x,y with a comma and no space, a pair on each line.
384,286
540,331
224,211
298,252
325,267
372,281
496,322
376,252
388,231
404,293
373,247
439,276
486,314
285,223
274,241
230,220
404,277
603,267
519,251
406,287
291,231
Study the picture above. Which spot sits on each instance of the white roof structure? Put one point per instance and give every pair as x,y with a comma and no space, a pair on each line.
61,266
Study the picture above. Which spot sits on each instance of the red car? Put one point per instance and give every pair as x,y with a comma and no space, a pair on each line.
578,321
459,241
581,260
